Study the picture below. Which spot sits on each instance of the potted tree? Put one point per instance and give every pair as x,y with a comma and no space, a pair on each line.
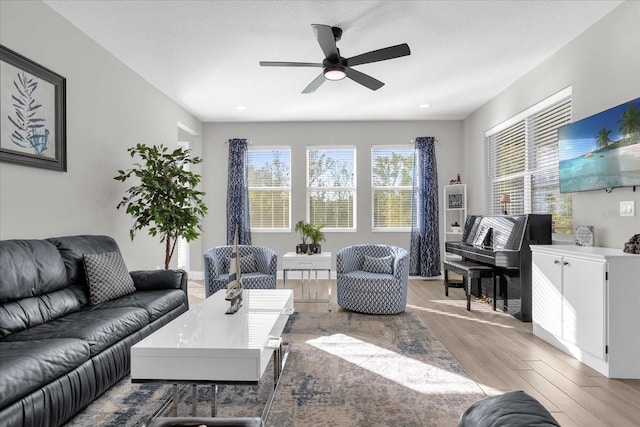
316,235
165,199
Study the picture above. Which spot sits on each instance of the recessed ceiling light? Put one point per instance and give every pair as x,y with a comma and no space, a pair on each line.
424,105
240,107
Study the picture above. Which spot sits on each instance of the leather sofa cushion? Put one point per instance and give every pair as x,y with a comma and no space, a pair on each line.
156,303
29,268
30,312
99,328
26,366
33,285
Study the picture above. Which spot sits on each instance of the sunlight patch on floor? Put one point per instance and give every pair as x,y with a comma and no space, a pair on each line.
414,374
458,316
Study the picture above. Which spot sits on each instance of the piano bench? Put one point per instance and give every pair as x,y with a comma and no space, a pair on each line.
471,273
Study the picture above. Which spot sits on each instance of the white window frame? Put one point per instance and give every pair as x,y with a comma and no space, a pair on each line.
527,173
375,229
249,188
353,188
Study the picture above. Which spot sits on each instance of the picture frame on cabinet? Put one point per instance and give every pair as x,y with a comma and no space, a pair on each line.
584,235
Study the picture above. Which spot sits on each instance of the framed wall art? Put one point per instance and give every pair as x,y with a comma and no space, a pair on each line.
32,113
455,201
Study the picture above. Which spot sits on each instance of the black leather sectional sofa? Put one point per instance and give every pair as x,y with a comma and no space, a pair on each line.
58,352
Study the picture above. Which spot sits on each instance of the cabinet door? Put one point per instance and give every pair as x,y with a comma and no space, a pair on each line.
583,310
547,292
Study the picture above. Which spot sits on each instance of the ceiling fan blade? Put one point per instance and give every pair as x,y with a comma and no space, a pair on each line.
289,64
327,41
364,79
380,55
315,84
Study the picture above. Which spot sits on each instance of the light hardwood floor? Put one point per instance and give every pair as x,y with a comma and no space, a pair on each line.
501,354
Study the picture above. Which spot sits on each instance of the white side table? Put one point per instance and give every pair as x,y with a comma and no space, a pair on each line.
292,261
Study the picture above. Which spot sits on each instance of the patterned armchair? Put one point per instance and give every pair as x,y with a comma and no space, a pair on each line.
258,266
372,278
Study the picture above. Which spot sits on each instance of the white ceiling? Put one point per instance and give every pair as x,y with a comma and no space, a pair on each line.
205,54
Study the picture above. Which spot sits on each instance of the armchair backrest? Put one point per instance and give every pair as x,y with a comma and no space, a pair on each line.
352,258
218,258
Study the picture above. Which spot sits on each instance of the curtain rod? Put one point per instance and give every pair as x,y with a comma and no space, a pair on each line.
248,141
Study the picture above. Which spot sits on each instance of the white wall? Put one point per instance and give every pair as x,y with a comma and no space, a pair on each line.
299,135
109,108
603,67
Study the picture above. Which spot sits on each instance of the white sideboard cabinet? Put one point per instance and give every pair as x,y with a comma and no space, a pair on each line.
586,302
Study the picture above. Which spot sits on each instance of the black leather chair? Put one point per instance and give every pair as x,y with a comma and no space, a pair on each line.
513,409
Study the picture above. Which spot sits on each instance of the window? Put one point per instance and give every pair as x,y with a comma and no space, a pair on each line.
269,181
331,187
392,187
523,163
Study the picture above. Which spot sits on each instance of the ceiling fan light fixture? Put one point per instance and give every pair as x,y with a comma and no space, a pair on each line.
334,73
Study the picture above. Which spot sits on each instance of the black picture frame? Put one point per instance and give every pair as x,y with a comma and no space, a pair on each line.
455,201
33,125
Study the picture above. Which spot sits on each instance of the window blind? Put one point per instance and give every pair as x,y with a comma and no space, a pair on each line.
392,187
331,187
269,185
523,164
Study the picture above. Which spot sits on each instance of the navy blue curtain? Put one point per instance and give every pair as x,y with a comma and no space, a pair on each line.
424,257
238,193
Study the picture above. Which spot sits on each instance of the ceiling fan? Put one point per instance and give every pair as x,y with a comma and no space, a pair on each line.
335,67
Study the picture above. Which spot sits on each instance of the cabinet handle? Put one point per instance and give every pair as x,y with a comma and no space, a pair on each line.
555,261
565,263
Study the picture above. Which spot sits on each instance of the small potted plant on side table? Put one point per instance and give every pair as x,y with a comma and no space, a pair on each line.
304,229
316,235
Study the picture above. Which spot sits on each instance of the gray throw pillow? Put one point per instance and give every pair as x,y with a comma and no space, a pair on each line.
107,277
383,265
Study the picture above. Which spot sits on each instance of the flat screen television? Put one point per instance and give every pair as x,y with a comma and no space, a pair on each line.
601,151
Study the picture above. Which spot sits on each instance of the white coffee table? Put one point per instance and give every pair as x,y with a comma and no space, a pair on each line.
206,346
292,261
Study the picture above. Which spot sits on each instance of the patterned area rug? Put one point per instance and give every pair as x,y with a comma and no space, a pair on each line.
343,369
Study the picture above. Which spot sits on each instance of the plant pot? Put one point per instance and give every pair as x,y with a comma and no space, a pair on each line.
315,248
302,248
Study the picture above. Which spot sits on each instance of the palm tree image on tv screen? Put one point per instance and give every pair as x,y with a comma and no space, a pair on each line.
601,151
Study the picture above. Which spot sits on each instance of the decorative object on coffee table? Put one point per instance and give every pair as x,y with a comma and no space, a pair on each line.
234,287
165,200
